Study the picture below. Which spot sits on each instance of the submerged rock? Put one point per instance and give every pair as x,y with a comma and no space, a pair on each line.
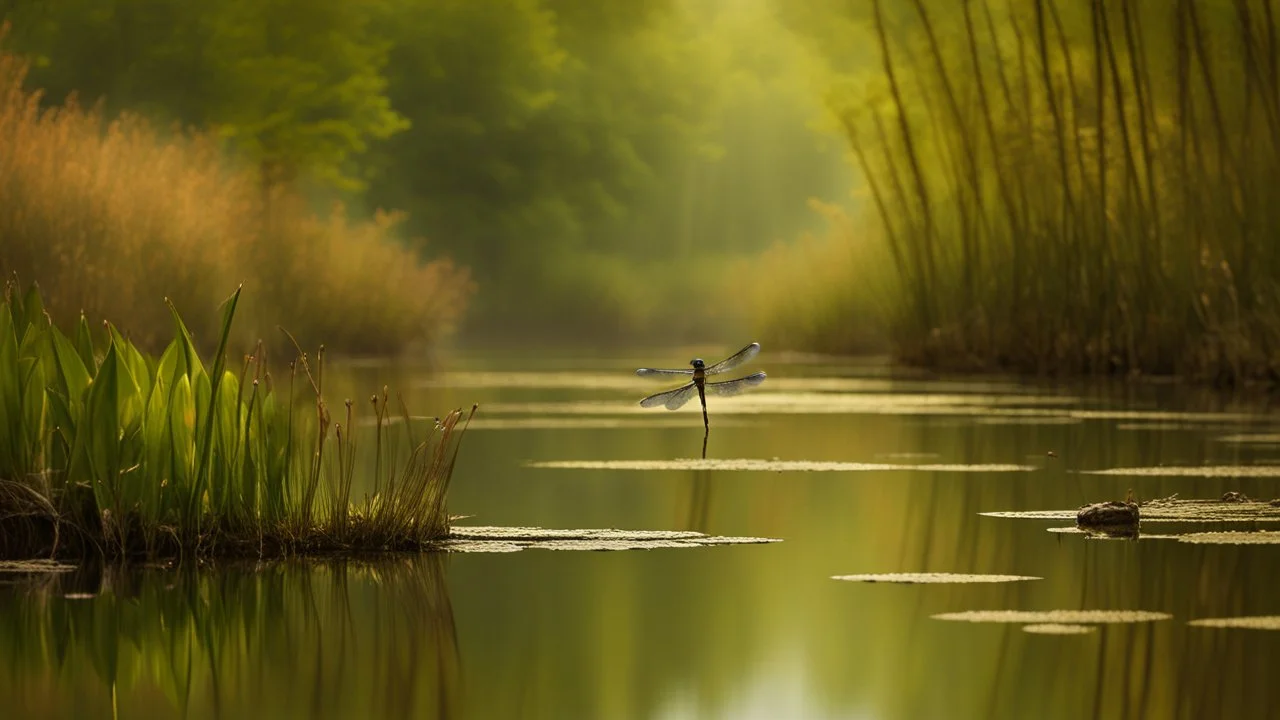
1110,517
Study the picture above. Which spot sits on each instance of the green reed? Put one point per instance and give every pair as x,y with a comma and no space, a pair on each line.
1080,188
102,446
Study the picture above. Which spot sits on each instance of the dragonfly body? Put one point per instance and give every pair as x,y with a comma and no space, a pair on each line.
697,381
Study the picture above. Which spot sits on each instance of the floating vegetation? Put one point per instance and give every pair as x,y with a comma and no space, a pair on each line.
1058,629
1202,471
624,383
530,381
1251,622
1027,420
1260,537
104,450
1055,617
34,566
1251,439
1031,409
589,423
1172,510
755,465
1097,535
932,578
514,539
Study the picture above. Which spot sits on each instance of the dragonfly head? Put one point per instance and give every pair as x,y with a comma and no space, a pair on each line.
697,363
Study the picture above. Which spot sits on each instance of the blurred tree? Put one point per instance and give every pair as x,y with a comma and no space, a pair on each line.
297,85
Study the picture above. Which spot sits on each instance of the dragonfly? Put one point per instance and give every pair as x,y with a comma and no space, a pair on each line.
675,399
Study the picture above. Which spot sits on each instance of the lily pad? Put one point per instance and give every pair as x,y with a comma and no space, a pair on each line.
1201,471
1058,629
514,539
757,465
932,578
1251,439
1253,622
589,423
1055,617
1261,537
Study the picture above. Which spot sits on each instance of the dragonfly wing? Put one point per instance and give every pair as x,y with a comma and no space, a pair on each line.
671,399
733,387
735,359
661,373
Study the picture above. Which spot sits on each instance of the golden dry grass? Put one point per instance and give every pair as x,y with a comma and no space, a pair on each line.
112,216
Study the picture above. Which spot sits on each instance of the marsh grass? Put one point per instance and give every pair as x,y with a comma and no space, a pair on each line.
1078,188
111,216
106,450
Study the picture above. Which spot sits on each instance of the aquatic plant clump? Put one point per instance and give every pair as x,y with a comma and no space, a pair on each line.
106,450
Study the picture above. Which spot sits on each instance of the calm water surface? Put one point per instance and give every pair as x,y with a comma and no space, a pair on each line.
757,631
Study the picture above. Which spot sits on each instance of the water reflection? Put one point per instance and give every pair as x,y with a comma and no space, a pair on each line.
724,632
331,639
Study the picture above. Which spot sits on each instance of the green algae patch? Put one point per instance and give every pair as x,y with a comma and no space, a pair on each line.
757,465
1261,537
1058,629
1055,617
1252,622
514,539
932,578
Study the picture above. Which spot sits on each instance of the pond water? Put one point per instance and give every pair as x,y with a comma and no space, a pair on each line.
873,475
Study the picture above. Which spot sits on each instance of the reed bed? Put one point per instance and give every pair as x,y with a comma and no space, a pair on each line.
111,217
105,450
1079,187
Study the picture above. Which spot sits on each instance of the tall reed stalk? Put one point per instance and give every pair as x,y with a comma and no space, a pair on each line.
1080,188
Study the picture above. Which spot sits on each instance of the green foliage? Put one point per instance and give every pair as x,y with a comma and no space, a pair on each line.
296,85
517,135
180,457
